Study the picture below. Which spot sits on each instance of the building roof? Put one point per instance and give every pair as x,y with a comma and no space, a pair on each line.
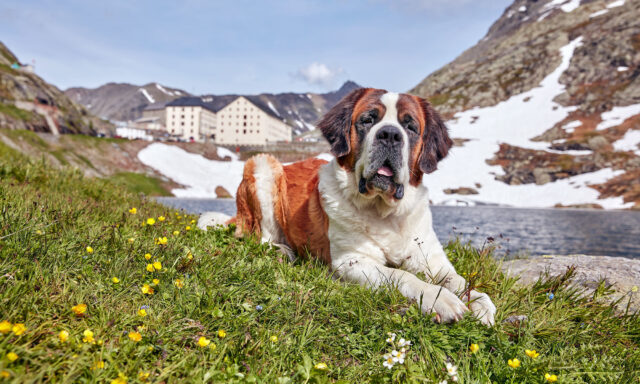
216,103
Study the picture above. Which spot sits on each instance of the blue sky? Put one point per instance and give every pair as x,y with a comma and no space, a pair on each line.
243,46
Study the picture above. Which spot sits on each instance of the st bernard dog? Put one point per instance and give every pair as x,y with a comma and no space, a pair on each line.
366,212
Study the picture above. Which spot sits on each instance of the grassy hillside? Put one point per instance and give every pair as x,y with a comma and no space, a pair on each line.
229,310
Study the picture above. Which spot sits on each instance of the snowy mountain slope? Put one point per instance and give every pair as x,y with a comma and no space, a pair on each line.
545,108
122,101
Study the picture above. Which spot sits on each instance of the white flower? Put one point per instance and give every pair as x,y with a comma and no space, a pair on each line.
394,353
388,363
454,378
392,337
443,382
452,370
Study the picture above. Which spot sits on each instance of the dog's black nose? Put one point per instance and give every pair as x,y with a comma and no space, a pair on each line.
389,135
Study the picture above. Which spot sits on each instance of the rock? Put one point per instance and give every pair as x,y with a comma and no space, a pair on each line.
461,191
222,193
622,274
597,143
542,175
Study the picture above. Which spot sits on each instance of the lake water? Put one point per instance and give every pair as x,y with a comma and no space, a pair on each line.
514,230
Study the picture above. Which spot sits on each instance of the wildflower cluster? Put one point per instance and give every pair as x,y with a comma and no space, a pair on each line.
398,353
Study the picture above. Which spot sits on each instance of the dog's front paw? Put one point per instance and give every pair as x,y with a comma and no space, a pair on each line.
447,306
482,307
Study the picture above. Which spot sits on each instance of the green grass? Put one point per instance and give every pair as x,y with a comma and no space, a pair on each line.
49,217
16,113
139,183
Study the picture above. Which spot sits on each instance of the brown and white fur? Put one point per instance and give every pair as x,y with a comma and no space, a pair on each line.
366,212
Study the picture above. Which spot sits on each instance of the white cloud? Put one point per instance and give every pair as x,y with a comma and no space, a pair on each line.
318,74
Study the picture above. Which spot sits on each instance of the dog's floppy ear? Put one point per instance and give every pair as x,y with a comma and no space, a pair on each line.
435,139
336,124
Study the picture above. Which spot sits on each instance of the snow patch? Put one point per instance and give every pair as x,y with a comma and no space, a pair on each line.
571,126
515,123
199,175
147,95
622,69
598,13
224,152
522,9
629,142
273,108
615,4
617,116
163,90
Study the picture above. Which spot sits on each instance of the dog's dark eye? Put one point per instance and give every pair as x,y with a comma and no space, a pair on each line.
367,119
410,124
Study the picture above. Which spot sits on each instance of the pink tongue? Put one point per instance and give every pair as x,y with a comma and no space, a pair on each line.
385,171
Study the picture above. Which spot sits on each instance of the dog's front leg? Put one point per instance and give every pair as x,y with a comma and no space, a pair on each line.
431,259
367,272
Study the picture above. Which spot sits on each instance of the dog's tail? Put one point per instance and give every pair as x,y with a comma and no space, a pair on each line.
213,219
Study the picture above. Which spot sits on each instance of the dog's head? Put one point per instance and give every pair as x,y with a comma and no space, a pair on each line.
387,140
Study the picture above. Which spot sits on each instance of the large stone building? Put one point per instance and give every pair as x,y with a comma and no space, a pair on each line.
232,120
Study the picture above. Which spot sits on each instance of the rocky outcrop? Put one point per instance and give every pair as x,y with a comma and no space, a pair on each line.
618,273
29,102
520,49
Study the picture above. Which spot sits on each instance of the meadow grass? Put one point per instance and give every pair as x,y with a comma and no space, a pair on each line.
234,310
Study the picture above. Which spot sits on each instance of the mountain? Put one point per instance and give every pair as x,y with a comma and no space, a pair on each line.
545,108
29,102
123,101
118,102
300,110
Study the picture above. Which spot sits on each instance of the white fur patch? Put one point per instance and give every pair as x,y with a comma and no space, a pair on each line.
265,180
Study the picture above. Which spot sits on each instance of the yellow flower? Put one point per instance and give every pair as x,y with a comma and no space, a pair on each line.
133,211
88,337
12,356
320,366
63,336
115,280
146,289
5,374
178,283
188,228
38,232
161,218
119,380
143,376
142,312
151,221
203,341
189,256
550,378
161,241
532,353
515,363
155,281
147,256
18,329
135,336
474,348
274,339
176,233
150,268
222,334
98,365
157,265
131,240
79,309
89,250
634,288
5,327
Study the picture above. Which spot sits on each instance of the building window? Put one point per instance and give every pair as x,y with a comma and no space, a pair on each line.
244,124
182,123
244,131
182,116
245,117
236,131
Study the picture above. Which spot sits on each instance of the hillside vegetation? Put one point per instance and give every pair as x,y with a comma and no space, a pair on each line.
98,284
